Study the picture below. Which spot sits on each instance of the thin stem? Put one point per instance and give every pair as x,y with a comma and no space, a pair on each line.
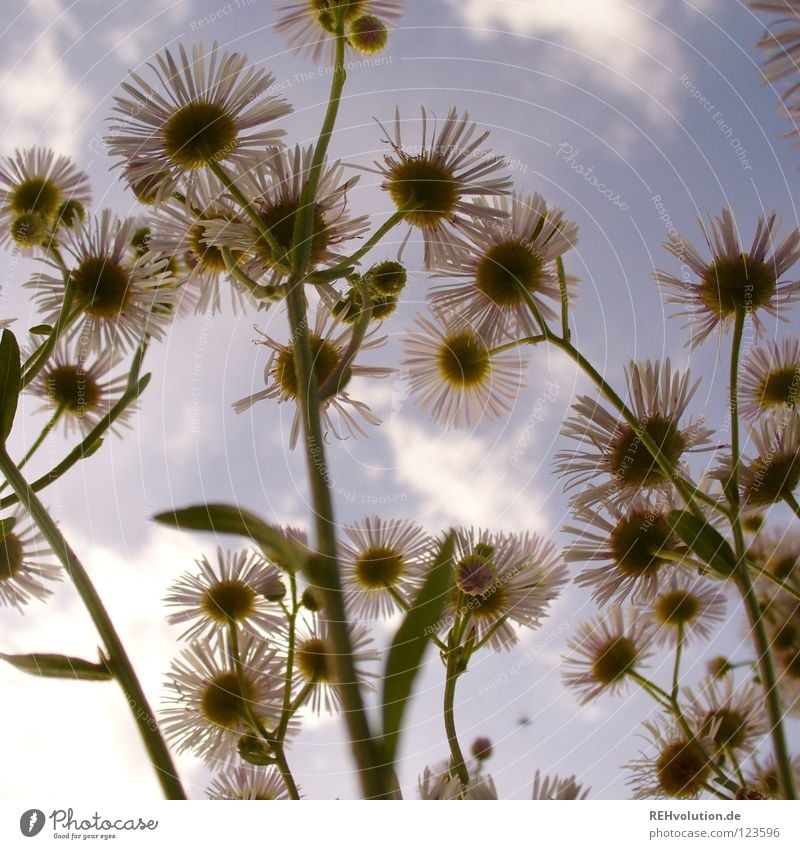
333,383
562,287
677,670
117,656
509,346
37,361
458,764
793,503
43,435
291,640
257,725
267,294
787,588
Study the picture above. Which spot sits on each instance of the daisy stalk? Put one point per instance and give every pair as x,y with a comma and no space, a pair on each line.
745,586
117,658
457,660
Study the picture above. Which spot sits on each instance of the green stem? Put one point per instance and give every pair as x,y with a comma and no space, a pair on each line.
117,656
744,582
267,294
37,361
360,327
255,722
790,590
526,340
288,709
562,287
43,435
793,503
457,762
677,670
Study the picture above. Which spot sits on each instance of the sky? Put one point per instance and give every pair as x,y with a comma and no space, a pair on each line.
564,86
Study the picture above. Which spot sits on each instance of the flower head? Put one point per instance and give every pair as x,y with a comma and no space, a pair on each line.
24,562
506,264
455,375
731,720
504,580
437,784
116,287
309,26
553,788
243,783
436,184
782,47
659,397
606,651
240,587
210,709
734,280
687,606
205,107
770,379
329,342
774,472
381,561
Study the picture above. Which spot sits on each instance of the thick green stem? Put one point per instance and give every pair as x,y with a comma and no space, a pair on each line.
793,504
118,659
564,292
457,762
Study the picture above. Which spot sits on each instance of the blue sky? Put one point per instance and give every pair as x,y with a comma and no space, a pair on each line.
661,99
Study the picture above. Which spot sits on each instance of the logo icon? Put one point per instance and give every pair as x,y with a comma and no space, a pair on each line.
31,822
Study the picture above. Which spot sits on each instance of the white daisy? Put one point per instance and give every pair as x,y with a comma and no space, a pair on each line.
731,719
315,659
776,552
244,783
674,767
553,788
308,25
734,279
383,562
770,379
438,785
24,562
116,288
781,43
775,470
688,605
628,543
518,253
439,182
208,714
204,107
80,388
659,397
503,580
37,193
607,650
239,587
455,376
273,184
329,342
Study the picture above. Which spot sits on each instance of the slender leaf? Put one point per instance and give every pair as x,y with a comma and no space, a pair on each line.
41,330
9,382
410,642
229,519
58,666
705,541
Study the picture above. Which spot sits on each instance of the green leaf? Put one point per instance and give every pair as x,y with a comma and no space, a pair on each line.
41,330
229,519
58,666
705,541
7,525
410,642
9,382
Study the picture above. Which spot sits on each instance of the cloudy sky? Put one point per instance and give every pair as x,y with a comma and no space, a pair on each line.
607,85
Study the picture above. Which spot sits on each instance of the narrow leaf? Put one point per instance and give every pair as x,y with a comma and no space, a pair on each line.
409,644
229,519
41,330
705,541
9,382
58,666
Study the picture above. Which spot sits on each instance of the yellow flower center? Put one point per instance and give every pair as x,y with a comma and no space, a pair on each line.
505,268
200,131
11,555
72,388
427,184
326,357
379,566
35,194
633,464
223,702
463,360
230,600
614,660
635,541
681,770
102,285
736,284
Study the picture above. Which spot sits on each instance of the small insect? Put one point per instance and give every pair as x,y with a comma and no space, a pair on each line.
523,721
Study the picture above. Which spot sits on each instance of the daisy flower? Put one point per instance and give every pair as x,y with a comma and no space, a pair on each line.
239,587
438,785
80,389
674,768
273,184
659,397
39,192
383,562
770,379
315,659
329,342
243,783
505,265
455,375
209,712
775,471
765,777
781,43
115,287
309,25
628,543
689,606
178,232
607,650
503,580
776,553
205,107
731,720
734,280
24,565
436,184
553,788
